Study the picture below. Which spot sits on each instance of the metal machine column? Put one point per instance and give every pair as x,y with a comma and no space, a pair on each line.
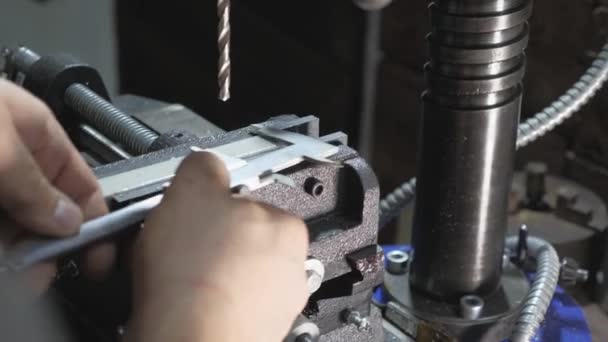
469,130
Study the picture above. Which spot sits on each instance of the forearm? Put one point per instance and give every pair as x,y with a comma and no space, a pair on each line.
186,320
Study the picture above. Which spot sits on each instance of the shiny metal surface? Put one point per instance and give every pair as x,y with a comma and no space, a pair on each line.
111,121
471,306
397,261
223,40
535,127
99,138
478,6
469,131
479,55
462,195
479,24
456,86
232,155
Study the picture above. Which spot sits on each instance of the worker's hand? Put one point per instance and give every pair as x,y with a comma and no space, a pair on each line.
45,186
212,267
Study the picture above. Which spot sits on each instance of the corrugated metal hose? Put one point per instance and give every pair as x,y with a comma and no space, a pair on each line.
541,292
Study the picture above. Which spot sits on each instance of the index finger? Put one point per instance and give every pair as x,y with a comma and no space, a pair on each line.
52,150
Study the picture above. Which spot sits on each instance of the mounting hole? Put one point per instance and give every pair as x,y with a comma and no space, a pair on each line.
472,301
314,187
318,190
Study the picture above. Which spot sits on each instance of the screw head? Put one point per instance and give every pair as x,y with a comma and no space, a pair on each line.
314,187
397,262
354,317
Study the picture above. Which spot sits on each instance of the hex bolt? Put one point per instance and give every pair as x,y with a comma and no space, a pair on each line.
397,262
471,306
314,187
355,317
108,119
315,273
570,273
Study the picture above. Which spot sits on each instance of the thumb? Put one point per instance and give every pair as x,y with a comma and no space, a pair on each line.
28,197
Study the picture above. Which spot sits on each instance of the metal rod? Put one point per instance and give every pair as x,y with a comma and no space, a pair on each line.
108,119
223,41
102,141
469,132
368,81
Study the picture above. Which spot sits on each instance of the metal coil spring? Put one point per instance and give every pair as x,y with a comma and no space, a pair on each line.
542,290
530,130
391,205
568,104
109,120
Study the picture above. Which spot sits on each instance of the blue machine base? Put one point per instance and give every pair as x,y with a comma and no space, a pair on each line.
565,320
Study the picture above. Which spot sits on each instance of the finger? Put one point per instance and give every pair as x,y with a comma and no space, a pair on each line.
201,172
98,260
61,163
51,148
26,194
39,277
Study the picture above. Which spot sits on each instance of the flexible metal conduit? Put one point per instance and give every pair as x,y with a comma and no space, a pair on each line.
533,128
543,287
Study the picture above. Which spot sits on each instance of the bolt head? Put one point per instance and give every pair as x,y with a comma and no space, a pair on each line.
397,262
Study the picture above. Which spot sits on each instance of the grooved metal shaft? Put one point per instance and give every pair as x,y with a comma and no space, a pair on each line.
223,42
109,120
468,138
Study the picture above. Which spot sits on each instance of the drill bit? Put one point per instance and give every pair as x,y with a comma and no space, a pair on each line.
223,41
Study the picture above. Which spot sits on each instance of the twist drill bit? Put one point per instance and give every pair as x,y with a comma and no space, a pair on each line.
223,41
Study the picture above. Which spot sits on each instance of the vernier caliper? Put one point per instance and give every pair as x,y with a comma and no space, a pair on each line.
253,162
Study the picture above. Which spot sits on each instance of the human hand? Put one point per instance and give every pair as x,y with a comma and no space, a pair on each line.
45,186
209,266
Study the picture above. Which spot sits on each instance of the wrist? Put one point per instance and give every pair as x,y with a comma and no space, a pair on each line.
185,318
